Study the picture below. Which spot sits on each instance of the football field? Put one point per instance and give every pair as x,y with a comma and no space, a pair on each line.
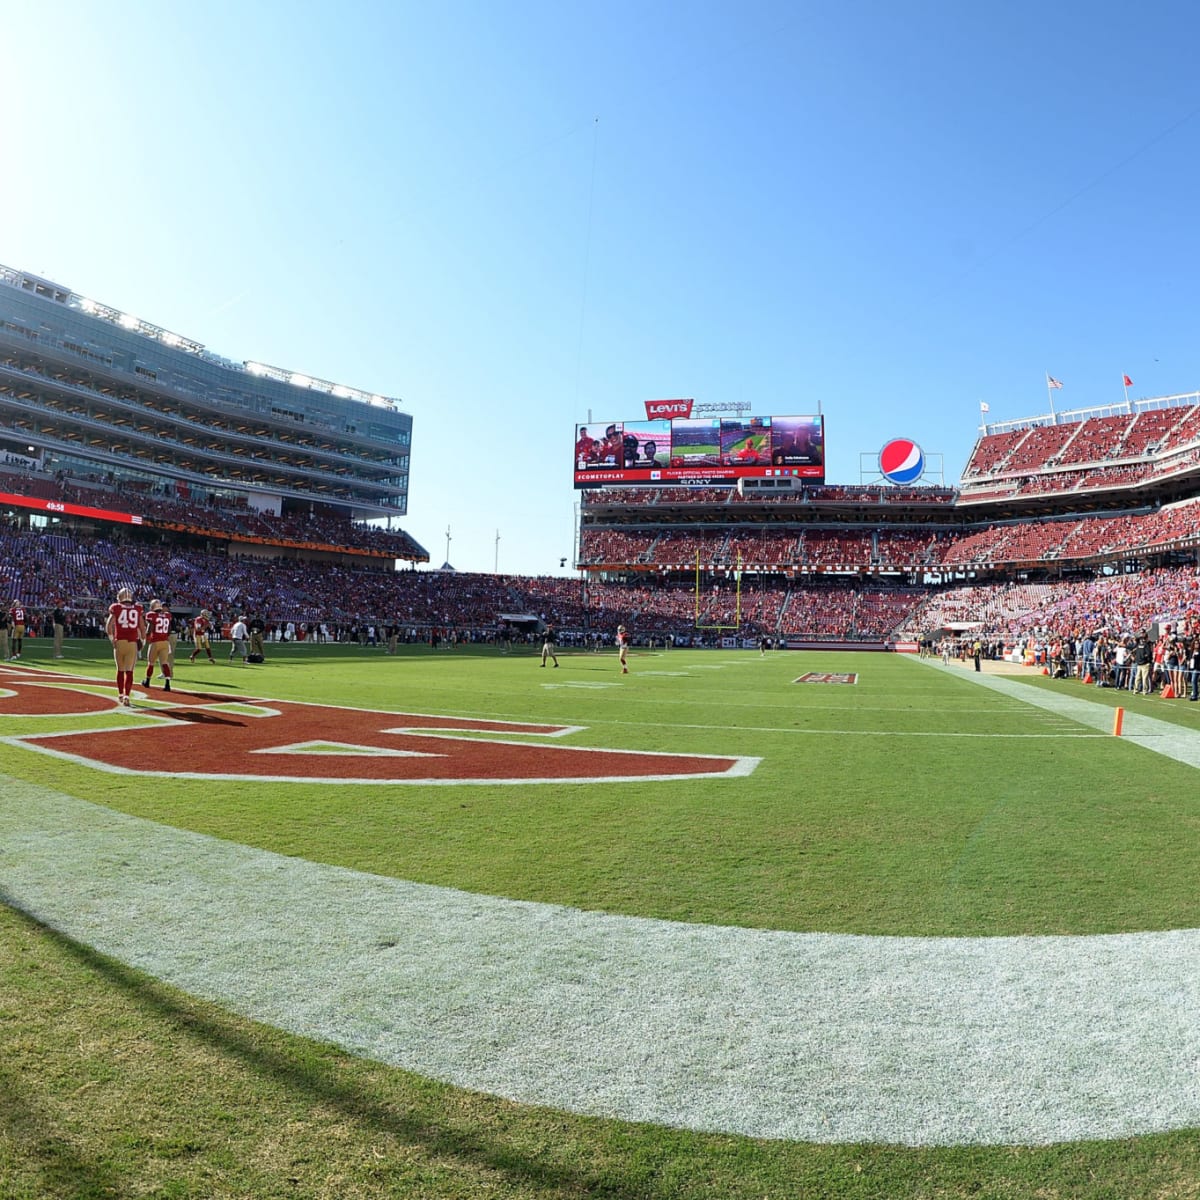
451,924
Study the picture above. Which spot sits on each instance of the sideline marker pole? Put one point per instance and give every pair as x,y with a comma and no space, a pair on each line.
1118,720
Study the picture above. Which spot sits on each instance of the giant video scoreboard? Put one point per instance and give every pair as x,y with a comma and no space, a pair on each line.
688,450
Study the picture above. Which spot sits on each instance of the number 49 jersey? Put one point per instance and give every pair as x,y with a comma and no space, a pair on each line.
127,621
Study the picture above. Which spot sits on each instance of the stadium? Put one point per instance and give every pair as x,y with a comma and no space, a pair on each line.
799,908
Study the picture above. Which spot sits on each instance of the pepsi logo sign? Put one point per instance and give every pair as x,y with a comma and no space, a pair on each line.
901,461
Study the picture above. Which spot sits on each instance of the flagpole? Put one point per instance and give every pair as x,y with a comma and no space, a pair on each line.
1125,385
1050,398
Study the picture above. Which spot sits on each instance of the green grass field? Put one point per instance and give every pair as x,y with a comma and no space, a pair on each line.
914,803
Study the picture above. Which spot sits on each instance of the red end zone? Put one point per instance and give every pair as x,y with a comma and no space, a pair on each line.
201,736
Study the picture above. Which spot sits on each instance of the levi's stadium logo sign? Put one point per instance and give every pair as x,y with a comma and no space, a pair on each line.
668,408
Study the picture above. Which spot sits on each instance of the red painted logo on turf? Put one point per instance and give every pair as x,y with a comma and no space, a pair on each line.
827,677
196,735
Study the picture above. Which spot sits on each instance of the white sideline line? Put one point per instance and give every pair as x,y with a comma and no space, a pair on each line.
816,730
814,1037
1163,737
595,722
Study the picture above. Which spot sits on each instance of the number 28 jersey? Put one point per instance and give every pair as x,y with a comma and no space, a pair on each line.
158,625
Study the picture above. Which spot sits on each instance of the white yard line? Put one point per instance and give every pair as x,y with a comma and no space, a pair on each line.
815,1037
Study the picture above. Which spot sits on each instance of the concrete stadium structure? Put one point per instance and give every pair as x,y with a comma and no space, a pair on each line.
132,412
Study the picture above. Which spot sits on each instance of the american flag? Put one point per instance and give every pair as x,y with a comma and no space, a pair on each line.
1052,382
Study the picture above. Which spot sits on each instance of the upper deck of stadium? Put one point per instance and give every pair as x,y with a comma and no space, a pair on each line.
1147,449
1044,491
95,391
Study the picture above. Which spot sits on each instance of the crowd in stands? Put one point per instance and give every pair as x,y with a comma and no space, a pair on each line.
1096,440
1117,450
769,547
810,493
991,451
82,575
219,518
614,546
819,613
47,570
1183,432
1038,446
694,495
1054,481
1124,604
818,549
835,548
1138,632
1178,462
1080,538
843,612
1122,475
1031,541
906,549
621,495
988,606
779,549
683,549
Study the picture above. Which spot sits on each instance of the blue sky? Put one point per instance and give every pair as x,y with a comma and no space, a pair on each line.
510,216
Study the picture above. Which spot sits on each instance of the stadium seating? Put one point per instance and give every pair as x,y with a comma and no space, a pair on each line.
1094,440
1127,603
813,561
1149,431
221,520
45,569
991,452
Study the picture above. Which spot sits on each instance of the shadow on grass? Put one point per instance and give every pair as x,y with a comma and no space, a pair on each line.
311,1081
200,717
60,1169
199,690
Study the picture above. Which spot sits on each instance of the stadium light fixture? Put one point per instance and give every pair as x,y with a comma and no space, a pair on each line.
256,368
129,322
301,380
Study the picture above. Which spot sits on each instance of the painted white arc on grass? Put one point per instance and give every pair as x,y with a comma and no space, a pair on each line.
828,1038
